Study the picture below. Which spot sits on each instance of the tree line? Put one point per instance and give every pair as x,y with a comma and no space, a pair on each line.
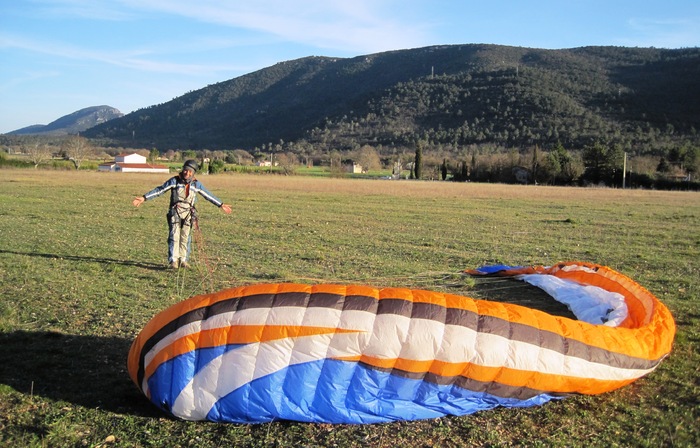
600,164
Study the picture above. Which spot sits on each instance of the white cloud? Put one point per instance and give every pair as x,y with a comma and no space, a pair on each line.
336,26
31,76
83,9
132,59
359,26
663,33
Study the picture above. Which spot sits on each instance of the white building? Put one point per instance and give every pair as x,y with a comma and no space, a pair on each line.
350,166
132,163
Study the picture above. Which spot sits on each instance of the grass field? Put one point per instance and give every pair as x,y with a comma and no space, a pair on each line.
82,271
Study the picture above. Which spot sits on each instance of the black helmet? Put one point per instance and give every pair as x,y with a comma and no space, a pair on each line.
191,165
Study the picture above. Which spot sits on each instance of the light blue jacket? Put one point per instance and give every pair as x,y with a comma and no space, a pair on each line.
182,194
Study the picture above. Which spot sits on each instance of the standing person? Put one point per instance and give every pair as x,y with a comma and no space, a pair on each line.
182,213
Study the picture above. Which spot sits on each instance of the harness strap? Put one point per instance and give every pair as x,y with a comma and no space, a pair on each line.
191,211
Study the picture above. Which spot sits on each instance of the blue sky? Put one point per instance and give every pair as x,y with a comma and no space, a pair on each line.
59,56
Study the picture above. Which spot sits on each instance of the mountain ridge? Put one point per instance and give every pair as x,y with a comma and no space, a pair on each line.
72,123
642,99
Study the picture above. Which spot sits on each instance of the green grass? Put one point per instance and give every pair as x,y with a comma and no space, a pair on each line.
82,271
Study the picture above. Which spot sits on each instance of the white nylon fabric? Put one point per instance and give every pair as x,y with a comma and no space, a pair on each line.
589,304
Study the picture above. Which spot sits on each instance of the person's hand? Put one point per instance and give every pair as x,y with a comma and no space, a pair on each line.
226,208
138,201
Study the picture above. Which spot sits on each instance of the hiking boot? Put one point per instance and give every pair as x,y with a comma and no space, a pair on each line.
173,265
184,264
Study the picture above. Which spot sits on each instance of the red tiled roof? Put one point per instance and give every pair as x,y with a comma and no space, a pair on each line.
140,165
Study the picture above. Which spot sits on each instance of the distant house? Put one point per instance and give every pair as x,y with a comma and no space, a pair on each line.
350,166
132,163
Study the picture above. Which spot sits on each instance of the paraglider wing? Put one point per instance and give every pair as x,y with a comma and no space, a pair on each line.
357,354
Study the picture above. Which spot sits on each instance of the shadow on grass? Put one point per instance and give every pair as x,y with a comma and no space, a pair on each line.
87,371
140,264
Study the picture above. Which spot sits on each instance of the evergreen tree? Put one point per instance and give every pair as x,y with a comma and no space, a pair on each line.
535,163
602,162
594,158
153,155
663,166
418,165
691,161
473,167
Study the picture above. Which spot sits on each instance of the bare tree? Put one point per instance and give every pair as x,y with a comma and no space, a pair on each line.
288,162
241,157
77,149
368,158
38,152
172,155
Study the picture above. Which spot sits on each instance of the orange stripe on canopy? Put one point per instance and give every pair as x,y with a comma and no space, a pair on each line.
241,334
542,381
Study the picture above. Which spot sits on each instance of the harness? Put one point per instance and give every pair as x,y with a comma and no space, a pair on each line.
180,213
181,209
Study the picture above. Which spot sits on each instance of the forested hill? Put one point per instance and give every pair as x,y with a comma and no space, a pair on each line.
643,98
